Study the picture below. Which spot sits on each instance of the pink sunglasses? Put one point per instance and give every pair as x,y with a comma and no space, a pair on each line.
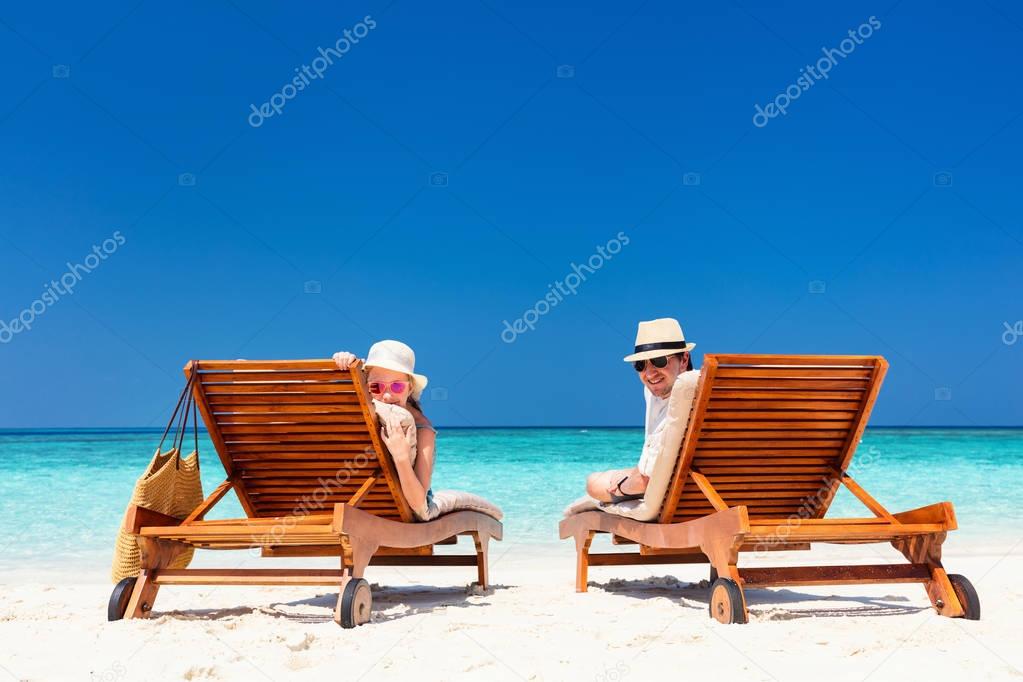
379,387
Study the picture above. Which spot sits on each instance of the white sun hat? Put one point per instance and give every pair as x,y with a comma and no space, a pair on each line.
397,357
657,338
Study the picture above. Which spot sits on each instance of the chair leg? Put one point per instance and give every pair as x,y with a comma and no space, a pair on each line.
140,604
942,595
728,603
926,549
355,558
582,563
482,541
156,553
362,551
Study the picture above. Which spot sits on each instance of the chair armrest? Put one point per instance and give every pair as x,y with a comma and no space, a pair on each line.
941,512
136,517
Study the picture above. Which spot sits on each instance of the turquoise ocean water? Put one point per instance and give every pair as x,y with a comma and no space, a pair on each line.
63,493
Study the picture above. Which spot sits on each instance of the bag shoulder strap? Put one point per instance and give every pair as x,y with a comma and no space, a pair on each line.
186,393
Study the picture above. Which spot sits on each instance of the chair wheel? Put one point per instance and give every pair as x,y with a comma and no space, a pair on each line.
355,604
726,605
967,596
119,598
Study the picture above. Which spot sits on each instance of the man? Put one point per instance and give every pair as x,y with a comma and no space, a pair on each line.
661,354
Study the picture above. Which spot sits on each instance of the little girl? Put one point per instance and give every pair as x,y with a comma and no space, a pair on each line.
391,379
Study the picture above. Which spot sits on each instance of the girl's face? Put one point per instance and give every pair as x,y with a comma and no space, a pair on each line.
389,386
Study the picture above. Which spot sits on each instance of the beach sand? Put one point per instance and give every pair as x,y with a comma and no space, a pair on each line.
647,622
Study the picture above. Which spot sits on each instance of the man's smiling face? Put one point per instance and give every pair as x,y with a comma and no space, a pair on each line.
660,379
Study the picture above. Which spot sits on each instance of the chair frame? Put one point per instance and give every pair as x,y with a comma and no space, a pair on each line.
719,538
358,537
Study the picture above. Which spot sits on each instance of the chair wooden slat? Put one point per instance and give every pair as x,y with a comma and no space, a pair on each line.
756,437
307,448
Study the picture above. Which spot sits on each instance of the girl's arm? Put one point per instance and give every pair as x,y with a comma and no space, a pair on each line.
426,443
401,453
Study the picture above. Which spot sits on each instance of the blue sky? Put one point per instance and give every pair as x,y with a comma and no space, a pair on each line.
444,171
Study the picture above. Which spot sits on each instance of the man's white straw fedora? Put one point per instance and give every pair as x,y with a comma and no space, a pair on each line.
657,338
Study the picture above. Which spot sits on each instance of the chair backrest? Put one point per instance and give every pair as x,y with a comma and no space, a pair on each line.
772,432
297,436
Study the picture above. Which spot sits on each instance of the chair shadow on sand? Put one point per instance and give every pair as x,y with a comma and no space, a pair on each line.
416,599
764,604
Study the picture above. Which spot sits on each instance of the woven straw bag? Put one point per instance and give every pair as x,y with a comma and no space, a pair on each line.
170,485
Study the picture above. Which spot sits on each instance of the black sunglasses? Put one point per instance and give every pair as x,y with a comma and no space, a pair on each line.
659,363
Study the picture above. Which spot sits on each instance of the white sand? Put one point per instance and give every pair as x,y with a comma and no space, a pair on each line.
635,623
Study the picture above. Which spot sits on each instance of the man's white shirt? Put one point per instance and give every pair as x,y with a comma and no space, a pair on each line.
656,412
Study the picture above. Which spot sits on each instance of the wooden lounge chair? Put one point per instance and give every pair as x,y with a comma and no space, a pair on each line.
301,448
769,442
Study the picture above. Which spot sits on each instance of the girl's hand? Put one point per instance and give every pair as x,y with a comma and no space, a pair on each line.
344,359
394,438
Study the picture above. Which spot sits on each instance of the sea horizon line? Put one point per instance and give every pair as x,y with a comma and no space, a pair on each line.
5,430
